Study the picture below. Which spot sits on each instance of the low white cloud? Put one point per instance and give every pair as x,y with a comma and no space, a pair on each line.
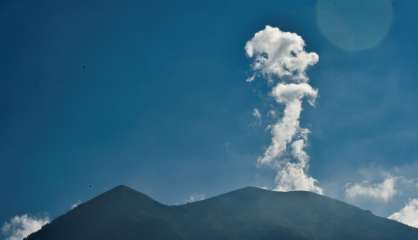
408,214
281,58
19,227
196,197
383,191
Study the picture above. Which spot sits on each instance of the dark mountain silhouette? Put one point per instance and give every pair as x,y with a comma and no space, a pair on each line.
246,214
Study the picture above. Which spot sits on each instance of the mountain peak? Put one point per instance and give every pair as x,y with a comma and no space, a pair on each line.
123,188
123,195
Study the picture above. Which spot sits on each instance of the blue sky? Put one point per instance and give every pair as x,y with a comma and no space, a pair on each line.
153,95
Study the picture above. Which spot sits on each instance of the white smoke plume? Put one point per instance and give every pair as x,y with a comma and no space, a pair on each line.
280,57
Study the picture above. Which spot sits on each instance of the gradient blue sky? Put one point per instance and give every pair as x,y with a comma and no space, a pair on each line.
152,94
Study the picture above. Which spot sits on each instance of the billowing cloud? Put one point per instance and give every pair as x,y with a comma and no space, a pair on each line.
19,227
408,214
281,58
280,54
383,191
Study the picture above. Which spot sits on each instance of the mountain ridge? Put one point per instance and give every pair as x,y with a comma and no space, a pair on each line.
246,213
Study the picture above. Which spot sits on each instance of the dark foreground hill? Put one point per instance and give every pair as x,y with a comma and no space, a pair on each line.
245,214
